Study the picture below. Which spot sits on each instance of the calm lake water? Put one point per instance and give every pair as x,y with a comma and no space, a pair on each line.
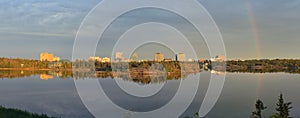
58,97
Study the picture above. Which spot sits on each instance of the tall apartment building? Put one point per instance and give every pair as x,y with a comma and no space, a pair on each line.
158,57
45,56
180,57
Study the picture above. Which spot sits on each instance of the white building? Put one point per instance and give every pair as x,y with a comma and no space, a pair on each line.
119,56
180,57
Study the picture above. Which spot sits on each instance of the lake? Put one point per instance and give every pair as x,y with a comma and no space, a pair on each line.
56,94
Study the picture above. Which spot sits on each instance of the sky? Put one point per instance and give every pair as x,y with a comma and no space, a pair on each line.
250,28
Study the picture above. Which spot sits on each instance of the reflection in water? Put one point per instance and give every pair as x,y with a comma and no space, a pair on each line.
143,73
137,77
221,73
60,99
45,77
62,95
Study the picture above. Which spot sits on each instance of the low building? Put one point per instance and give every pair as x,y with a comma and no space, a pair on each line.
105,60
190,60
219,58
56,58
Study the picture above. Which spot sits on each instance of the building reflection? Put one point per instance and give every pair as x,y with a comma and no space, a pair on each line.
142,77
45,77
221,73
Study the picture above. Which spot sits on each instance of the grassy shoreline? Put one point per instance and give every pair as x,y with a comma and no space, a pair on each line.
16,113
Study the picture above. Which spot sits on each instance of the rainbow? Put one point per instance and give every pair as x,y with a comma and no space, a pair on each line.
254,29
257,44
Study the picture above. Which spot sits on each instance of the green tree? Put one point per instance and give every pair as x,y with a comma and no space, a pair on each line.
283,108
259,107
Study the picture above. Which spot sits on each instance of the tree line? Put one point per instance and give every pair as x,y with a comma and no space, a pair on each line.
33,64
264,65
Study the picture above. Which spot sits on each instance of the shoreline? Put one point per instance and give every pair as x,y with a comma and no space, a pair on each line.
33,69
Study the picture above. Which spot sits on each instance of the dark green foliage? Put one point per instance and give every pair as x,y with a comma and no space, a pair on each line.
15,113
283,108
259,107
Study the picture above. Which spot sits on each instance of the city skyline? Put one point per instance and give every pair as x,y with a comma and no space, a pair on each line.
158,57
50,57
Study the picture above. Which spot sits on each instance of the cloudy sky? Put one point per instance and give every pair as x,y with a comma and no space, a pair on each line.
250,28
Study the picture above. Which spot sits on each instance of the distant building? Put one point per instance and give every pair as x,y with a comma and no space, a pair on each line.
201,60
119,56
143,60
105,59
135,57
180,57
98,59
219,58
45,56
127,60
158,57
190,60
56,58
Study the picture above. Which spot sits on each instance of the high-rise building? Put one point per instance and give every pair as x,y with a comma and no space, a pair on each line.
119,56
45,56
158,57
180,57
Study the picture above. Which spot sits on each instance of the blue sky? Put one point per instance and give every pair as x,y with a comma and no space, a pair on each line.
28,27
